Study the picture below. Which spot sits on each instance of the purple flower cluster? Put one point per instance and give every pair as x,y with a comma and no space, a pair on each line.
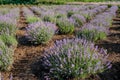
73,58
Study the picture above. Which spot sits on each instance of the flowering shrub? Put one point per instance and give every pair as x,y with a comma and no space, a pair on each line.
65,26
7,26
87,15
75,58
79,20
6,58
41,32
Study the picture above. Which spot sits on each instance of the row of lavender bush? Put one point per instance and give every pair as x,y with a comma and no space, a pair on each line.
8,42
98,28
65,24
73,58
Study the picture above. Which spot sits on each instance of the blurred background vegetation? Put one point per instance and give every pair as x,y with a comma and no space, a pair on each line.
47,1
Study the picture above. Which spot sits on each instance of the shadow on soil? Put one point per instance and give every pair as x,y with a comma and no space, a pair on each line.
112,74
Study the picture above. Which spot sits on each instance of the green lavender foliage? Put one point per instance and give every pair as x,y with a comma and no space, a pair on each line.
7,26
91,35
9,40
65,26
6,57
32,19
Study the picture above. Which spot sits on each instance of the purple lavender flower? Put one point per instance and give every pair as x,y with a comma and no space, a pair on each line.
41,32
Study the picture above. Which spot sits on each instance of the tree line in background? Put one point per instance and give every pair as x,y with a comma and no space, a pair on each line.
16,1
46,1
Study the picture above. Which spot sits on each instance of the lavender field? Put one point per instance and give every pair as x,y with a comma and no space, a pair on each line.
59,42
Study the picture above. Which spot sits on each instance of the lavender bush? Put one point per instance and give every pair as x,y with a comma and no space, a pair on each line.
7,25
9,40
49,19
41,32
91,35
65,26
75,58
6,57
87,15
91,32
79,20
32,19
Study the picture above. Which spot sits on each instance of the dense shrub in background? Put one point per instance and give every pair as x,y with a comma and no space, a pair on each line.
40,32
69,59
